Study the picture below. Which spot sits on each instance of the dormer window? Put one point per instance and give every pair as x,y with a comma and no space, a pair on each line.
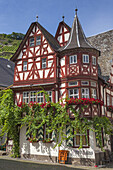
73,59
85,58
31,42
93,60
38,40
24,65
43,62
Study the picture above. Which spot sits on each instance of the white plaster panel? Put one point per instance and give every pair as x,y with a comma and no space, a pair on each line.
29,54
16,78
36,48
19,62
65,30
38,65
46,73
39,32
19,68
63,70
29,66
62,61
60,30
45,45
35,76
30,60
52,75
50,57
60,38
17,95
25,75
31,34
66,37
49,49
41,73
38,59
34,29
20,55
50,63
21,76
108,91
62,85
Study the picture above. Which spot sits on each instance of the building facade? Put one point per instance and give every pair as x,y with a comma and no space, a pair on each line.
64,65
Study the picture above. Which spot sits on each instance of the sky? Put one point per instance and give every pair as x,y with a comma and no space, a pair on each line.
96,16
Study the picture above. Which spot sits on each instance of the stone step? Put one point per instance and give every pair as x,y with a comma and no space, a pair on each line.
2,153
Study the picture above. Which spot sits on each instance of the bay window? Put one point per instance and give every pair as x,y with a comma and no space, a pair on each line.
73,93
85,92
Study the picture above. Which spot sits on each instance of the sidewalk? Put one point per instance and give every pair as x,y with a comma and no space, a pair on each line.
7,163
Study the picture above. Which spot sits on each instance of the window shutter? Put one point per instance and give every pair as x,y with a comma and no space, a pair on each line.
69,141
27,134
53,135
40,133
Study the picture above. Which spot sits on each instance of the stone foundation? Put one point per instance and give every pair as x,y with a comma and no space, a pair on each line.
52,159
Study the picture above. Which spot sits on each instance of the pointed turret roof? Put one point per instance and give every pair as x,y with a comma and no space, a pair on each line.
77,37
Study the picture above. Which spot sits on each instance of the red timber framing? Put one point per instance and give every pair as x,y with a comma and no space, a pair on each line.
62,34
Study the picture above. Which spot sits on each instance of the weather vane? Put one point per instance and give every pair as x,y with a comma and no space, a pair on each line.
37,18
63,17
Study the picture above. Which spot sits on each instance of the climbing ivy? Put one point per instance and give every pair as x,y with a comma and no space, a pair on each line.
54,115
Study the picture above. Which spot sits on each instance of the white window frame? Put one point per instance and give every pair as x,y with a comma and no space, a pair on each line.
50,95
85,83
93,84
47,136
85,58
43,62
38,40
31,42
73,59
108,99
26,97
73,83
93,93
32,96
93,60
78,134
85,94
40,97
73,95
24,65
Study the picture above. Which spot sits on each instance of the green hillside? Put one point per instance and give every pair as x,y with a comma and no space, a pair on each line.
9,44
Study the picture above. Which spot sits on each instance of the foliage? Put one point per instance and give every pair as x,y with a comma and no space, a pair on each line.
54,115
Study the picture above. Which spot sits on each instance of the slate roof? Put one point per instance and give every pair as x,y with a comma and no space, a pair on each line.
77,37
6,72
50,39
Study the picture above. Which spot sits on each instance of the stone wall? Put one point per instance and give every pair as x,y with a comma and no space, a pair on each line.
104,43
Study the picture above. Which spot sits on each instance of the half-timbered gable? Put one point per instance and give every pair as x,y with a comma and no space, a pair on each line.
62,34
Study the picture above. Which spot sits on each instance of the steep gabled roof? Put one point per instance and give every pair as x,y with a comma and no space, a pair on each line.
77,37
6,72
50,39
62,23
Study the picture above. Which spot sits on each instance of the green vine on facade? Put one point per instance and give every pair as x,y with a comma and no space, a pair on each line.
54,115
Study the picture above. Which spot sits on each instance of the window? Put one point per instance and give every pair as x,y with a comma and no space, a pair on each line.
112,101
24,65
93,83
93,93
73,93
38,40
85,92
50,95
33,96
73,59
77,139
43,62
25,97
85,58
108,99
73,83
40,97
85,83
93,60
47,135
31,42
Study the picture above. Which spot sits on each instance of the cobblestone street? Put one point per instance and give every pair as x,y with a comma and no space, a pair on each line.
7,163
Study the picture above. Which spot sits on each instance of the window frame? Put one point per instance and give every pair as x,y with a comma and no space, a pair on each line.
84,93
93,95
24,97
38,42
73,95
82,83
108,99
73,59
84,58
40,96
78,134
25,66
33,97
31,44
94,62
44,63
76,83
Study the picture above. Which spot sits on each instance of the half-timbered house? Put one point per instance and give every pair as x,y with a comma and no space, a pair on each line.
63,65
